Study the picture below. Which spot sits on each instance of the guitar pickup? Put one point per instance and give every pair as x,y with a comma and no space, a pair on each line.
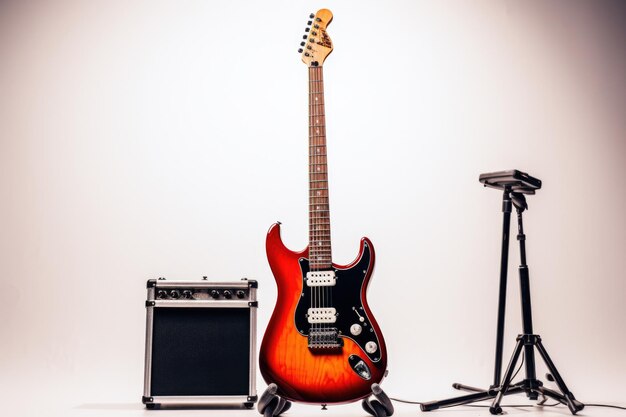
322,315
321,279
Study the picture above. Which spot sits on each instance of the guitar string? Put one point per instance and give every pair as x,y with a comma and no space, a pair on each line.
310,201
313,213
320,213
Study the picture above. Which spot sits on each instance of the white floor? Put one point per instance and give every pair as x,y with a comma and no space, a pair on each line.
59,401
131,410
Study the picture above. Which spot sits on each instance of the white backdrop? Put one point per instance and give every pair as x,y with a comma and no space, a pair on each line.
162,138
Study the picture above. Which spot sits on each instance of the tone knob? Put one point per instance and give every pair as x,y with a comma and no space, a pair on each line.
161,294
356,329
187,294
240,294
228,294
215,294
175,294
371,347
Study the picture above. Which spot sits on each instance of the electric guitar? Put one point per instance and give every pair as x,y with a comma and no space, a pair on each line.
322,344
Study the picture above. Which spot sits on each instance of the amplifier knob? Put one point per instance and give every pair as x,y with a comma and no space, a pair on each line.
187,294
175,294
161,294
215,294
228,294
240,294
371,347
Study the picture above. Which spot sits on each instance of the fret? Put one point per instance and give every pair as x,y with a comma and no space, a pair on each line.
317,125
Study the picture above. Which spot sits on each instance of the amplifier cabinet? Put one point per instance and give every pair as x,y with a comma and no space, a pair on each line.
200,343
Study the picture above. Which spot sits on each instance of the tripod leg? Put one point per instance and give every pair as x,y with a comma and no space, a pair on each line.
462,387
573,405
506,382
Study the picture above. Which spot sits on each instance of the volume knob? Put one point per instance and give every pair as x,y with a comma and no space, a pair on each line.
175,294
228,294
371,347
215,294
356,329
240,294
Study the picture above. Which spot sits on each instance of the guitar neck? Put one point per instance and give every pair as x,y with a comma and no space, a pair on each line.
319,209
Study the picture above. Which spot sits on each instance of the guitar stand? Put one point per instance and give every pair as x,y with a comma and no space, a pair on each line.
272,405
514,184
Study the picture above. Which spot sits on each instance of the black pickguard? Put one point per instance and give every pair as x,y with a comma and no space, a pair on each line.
346,298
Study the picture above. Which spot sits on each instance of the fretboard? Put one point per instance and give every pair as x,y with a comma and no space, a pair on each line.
319,210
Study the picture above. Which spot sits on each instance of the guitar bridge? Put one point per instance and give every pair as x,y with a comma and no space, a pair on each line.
324,339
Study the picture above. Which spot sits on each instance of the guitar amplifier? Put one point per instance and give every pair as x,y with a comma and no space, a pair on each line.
200,343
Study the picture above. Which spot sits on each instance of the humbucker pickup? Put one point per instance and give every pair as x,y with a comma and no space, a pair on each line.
322,315
321,279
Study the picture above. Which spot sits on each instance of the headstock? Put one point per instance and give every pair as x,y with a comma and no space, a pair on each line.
317,44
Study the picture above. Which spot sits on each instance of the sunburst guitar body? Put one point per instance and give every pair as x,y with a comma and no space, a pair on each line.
322,344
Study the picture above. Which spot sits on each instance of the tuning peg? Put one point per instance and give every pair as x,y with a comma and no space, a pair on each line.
318,20
302,43
314,33
300,50
307,29
304,36
309,23
311,15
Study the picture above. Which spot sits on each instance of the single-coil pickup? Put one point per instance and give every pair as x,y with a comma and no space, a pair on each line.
322,315
321,279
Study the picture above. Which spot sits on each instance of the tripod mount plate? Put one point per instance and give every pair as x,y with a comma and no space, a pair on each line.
514,180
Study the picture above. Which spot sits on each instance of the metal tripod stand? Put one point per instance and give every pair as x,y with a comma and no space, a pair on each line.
514,184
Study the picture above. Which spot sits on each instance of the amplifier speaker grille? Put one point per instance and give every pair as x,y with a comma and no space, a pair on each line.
200,351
